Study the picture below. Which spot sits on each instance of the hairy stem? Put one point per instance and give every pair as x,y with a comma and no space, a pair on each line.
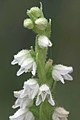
45,108
40,59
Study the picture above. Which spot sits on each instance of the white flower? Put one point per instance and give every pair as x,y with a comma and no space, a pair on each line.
25,60
44,42
60,114
61,72
30,90
44,92
21,102
22,114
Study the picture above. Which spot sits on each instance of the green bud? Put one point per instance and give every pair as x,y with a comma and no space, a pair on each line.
49,64
41,23
28,24
35,11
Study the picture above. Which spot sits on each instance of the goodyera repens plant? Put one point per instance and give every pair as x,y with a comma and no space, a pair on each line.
36,100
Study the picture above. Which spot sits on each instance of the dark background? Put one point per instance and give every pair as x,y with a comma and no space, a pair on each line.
65,15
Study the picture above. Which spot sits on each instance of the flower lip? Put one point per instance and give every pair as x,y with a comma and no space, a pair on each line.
44,92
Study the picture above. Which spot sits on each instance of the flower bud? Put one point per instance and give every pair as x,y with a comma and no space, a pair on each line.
28,24
35,11
49,64
60,114
44,42
41,23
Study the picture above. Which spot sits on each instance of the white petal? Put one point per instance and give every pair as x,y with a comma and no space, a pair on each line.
43,41
19,114
34,93
24,94
44,87
29,116
26,102
21,53
30,82
68,77
55,117
17,104
34,69
31,88
17,93
14,62
63,69
26,70
27,62
20,71
38,100
61,112
56,76
49,43
51,101
21,60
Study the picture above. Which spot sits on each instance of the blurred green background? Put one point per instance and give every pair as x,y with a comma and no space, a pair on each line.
65,15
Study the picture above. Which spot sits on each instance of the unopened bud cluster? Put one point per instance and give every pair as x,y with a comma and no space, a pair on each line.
36,99
36,21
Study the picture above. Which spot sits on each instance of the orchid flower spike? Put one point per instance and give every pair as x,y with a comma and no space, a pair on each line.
38,91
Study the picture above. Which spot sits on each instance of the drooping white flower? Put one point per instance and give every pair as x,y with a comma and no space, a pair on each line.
25,60
22,114
61,72
22,102
30,90
44,92
44,42
60,114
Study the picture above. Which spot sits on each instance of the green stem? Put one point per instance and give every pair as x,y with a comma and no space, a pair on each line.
54,85
45,111
53,88
40,59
